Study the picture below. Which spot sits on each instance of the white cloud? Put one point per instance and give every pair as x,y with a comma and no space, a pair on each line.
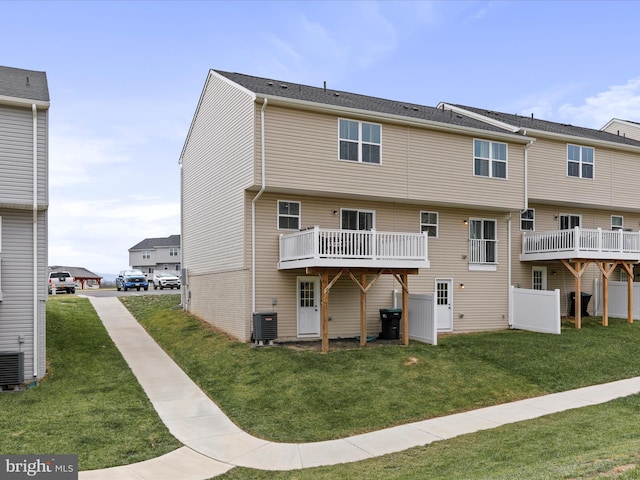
619,101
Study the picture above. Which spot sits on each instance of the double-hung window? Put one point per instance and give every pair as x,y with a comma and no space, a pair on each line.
489,159
528,219
483,242
288,215
359,141
173,251
580,161
146,254
429,223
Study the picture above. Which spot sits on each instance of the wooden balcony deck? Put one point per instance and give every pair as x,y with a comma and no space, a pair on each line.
584,243
321,247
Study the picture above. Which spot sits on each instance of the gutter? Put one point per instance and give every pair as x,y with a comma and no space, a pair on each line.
34,110
263,187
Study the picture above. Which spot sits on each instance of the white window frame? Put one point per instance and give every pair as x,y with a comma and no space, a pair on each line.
532,220
490,160
359,141
146,254
581,162
569,216
288,215
359,211
425,226
615,226
476,245
173,251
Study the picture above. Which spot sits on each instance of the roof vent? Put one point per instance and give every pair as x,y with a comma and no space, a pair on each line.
415,109
270,84
284,85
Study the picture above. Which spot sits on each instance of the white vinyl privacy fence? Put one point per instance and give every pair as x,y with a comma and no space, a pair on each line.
535,310
422,317
618,299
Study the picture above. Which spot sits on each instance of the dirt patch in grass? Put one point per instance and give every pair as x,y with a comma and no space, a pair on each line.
338,344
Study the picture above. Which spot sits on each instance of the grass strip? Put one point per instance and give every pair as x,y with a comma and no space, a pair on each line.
89,404
290,395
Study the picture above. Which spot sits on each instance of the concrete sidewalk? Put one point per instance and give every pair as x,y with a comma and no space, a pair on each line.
214,444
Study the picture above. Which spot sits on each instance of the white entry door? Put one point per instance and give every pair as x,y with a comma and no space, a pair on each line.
308,306
539,278
444,304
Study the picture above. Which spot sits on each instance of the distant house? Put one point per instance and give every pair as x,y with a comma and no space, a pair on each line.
154,254
24,197
83,277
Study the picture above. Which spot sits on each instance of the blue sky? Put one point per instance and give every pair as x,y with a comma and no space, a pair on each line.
125,78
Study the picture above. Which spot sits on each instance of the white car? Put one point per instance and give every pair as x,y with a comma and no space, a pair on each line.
165,280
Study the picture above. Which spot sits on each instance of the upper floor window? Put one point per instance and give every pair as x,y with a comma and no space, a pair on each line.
528,219
288,215
483,241
429,223
489,159
357,220
567,222
146,254
617,222
580,161
173,251
359,141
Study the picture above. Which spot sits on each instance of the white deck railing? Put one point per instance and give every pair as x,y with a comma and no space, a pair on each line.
322,244
582,243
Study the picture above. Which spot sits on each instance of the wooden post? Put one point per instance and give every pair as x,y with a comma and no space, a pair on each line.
605,300
578,300
363,310
630,293
324,285
405,309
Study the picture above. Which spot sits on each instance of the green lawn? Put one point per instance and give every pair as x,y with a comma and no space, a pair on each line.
290,395
89,404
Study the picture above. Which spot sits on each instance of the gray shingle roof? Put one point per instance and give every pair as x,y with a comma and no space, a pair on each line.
320,95
148,243
552,127
77,272
27,84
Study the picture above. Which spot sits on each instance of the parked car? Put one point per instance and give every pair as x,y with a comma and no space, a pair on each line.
61,282
127,279
165,280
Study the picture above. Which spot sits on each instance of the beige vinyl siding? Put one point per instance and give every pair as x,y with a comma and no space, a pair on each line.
616,173
417,164
624,129
16,145
216,168
483,303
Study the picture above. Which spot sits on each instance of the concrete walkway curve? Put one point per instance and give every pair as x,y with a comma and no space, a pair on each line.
215,445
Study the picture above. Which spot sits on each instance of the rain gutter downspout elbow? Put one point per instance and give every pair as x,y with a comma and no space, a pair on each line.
263,186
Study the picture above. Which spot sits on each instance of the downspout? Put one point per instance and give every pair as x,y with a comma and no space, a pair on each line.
253,209
34,111
525,208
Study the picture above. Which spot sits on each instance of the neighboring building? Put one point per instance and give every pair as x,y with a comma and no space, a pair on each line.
320,204
84,278
626,128
156,254
24,201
